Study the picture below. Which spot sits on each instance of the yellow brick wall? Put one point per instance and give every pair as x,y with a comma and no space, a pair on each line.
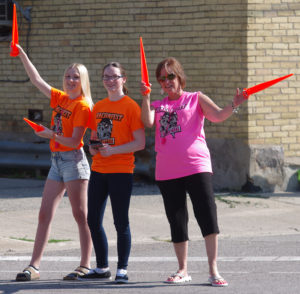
208,37
273,50
222,44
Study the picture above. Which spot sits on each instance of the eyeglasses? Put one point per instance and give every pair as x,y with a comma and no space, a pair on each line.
111,78
169,77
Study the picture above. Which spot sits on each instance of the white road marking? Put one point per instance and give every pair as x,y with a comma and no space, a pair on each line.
160,258
164,271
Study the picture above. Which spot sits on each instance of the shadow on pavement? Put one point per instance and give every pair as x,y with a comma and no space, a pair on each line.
11,286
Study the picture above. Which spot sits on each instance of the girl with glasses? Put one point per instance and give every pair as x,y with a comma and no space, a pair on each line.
183,163
117,132
69,170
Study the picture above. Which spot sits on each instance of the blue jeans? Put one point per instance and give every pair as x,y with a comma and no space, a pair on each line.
118,186
69,166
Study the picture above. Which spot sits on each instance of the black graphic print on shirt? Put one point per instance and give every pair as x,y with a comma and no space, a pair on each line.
57,126
169,121
105,126
60,112
104,130
168,124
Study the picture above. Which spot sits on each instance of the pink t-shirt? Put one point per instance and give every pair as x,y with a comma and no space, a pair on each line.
179,138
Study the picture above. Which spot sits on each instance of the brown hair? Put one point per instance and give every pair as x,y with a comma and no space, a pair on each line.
172,65
122,71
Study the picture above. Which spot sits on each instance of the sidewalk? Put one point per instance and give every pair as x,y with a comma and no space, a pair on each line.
239,216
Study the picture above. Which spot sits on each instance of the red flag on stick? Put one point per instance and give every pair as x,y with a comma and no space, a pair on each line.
35,126
14,51
262,86
144,70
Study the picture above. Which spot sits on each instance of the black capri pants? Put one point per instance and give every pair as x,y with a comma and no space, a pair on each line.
199,188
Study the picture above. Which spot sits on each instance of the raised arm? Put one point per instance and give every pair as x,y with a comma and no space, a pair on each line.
147,113
216,114
33,74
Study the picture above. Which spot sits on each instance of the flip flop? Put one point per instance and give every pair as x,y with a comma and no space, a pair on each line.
217,281
178,278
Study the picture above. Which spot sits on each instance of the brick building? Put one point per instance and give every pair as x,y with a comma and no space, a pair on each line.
222,44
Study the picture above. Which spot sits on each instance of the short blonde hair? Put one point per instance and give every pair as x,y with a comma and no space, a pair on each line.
84,80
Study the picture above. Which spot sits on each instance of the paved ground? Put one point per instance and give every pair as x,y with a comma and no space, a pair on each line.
259,244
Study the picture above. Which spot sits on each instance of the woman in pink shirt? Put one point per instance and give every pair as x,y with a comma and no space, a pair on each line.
183,161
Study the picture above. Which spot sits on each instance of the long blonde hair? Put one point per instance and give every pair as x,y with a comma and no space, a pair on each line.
85,82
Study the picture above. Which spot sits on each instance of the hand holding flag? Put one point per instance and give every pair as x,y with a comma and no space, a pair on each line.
35,126
14,51
262,86
144,70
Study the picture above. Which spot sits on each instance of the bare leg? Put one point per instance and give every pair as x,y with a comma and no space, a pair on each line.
181,250
211,243
77,192
52,194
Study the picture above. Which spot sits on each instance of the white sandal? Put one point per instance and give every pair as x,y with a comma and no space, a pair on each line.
217,281
178,278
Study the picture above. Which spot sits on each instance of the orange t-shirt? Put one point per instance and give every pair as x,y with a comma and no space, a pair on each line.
66,115
115,122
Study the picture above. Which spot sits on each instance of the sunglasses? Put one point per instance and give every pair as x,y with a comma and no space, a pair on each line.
169,77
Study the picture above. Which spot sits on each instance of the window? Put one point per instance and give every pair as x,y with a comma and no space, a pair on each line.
6,11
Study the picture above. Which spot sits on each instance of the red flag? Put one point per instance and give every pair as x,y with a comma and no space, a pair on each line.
144,70
14,51
35,126
262,86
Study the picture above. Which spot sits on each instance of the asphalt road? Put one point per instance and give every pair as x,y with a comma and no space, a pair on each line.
259,247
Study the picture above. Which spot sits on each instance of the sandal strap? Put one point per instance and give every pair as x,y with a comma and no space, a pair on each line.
180,275
216,278
82,270
29,269
36,269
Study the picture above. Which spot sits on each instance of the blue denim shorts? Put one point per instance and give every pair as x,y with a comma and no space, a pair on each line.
68,166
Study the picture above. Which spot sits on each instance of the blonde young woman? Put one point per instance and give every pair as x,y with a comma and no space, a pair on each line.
183,163
69,170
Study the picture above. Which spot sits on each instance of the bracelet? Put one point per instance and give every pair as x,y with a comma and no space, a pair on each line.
234,109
